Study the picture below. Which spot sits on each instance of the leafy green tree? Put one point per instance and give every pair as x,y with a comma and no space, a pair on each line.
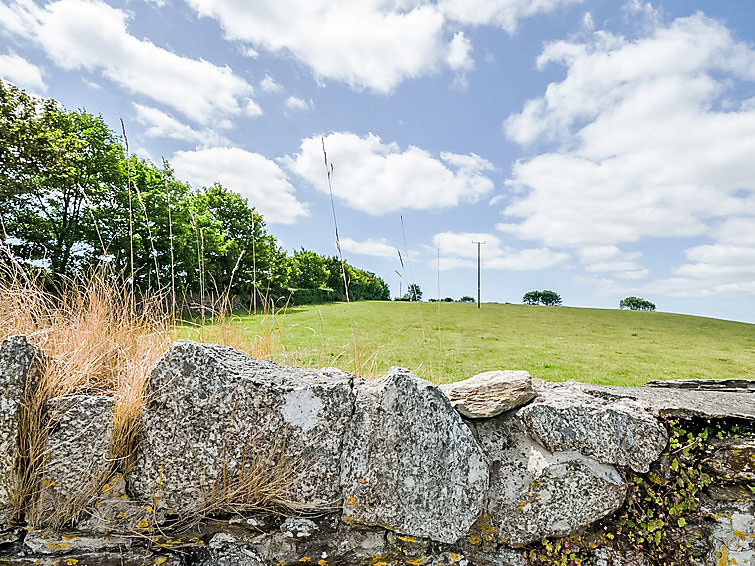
56,165
363,285
531,298
236,251
308,270
414,293
636,304
550,298
466,299
547,297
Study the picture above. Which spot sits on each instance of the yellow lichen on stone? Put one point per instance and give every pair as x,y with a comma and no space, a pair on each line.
161,560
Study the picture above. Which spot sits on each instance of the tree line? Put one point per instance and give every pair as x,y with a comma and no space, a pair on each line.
72,198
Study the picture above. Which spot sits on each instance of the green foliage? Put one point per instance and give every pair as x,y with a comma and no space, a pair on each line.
363,285
448,300
662,517
70,198
571,551
311,296
414,293
54,164
547,297
636,304
308,270
466,299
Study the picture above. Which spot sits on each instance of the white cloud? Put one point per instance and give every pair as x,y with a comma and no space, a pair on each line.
610,259
716,269
252,175
459,53
638,143
369,44
502,13
268,84
459,250
20,72
93,36
378,177
370,247
162,125
294,103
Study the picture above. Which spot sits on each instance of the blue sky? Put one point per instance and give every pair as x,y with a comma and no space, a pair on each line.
600,149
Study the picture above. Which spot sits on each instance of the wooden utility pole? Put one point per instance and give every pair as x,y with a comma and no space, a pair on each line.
478,272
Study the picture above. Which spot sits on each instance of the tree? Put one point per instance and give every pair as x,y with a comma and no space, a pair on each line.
531,298
414,293
363,285
466,299
636,304
547,297
56,165
550,298
308,270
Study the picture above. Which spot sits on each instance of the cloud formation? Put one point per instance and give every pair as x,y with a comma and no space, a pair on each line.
640,139
377,177
20,72
369,44
458,250
254,176
92,36
370,247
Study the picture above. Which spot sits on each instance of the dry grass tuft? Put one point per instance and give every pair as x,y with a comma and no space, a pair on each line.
98,337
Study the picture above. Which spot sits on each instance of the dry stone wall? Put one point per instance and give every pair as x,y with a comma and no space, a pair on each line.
245,462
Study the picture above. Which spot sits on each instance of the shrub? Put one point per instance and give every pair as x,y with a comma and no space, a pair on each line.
466,299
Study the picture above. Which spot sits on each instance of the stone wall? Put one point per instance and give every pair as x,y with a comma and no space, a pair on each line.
245,462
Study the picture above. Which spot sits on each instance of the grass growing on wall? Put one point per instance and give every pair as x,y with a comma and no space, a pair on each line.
450,341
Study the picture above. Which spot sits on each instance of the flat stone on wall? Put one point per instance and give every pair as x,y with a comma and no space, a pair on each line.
212,411
490,393
410,464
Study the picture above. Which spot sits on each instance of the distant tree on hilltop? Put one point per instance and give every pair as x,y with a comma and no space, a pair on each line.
636,304
547,298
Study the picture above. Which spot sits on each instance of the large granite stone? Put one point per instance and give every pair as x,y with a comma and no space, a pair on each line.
685,403
410,463
535,493
490,393
21,364
619,432
212,410
77,451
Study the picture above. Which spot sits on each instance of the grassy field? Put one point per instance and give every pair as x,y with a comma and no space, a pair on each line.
445,342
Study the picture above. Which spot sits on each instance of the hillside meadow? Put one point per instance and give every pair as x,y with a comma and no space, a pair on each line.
445,342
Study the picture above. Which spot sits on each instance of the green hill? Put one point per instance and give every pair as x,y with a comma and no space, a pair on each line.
450,341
